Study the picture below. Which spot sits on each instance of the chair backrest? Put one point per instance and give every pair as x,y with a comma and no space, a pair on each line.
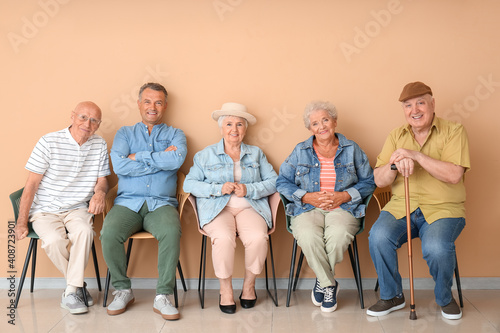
181,195
285,201
274,202
382,196
15,199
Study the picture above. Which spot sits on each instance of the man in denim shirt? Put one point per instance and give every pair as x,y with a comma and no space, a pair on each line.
146,158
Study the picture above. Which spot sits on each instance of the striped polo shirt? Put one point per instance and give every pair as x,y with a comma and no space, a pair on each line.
70,171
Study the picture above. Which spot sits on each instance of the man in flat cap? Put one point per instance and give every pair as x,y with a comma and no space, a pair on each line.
434,154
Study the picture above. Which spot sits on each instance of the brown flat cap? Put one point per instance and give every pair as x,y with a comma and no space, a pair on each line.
414,89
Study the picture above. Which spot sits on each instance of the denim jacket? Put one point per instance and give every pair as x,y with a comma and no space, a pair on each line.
300,173
213,167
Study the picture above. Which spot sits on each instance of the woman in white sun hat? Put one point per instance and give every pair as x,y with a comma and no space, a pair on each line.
231,182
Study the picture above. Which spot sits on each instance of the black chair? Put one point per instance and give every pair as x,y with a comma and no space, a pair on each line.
383,195
181,198
15,199
274,204
353,255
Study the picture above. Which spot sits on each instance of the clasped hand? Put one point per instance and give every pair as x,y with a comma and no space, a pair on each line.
326,200
239,189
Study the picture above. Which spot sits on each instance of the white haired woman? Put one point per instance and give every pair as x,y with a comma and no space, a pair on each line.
231,182
326,178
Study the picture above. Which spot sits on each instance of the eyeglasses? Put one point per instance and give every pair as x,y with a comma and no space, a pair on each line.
84,118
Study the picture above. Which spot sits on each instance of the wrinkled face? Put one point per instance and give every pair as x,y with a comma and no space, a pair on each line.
322,125
86,120
152,105
419,112
233,129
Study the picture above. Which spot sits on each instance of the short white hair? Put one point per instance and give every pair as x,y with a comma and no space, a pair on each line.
220,121
318,106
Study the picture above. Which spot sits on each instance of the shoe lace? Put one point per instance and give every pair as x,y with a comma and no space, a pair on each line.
163,299
318,288
120,294
328,294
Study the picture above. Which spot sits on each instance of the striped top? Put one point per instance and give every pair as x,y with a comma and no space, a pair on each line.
327,174
70,171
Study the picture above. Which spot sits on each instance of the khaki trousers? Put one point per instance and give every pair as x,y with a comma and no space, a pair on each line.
324,237
67,239
250,227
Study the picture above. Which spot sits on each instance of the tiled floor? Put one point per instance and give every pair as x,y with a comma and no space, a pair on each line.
40,312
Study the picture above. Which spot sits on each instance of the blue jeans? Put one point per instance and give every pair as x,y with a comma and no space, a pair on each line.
438,249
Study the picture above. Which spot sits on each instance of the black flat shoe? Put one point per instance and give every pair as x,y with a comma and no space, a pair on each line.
248,303
229,309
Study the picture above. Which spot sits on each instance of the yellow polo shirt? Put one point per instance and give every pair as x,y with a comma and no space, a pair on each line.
446,141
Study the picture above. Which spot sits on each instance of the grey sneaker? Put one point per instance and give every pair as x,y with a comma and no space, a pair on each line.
123,298
163,306
79,293
384,307
73,303
451,311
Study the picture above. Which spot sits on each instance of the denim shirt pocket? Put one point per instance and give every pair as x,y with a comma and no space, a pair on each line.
162,145
250,172
346,176
214,172
303,176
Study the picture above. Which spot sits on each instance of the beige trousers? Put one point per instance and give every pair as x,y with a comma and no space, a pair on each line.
250,227
67,239
324,237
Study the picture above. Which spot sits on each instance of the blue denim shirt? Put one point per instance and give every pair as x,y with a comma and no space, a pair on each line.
213,167
300,173
152,177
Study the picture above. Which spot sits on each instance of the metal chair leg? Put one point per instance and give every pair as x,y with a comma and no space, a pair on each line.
106,288
275,297
357,271
25,268
176,299
201,276
299,268
96,267
459,286
290,276
179,268
33,265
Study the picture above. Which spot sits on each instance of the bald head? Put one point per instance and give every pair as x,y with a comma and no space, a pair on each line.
86,120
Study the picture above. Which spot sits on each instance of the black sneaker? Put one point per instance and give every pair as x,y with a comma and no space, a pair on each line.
451,311
384,307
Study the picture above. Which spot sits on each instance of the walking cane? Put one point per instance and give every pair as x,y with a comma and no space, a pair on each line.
413,313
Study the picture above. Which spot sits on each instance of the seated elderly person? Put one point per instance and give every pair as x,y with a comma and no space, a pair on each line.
326,178
231,181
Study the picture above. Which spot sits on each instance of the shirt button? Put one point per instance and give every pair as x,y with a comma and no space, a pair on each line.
316,164
147,185
298,173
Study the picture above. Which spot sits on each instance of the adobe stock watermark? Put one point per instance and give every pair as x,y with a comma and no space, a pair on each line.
123,105
484,89
373,28
222,7
278,122
31,26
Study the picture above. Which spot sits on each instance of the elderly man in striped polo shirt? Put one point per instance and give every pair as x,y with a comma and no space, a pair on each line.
66,187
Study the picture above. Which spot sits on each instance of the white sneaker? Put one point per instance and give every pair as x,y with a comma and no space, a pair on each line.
163,306
79,293
73,303
123,298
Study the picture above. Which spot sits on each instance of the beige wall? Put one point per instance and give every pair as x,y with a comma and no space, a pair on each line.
273,56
